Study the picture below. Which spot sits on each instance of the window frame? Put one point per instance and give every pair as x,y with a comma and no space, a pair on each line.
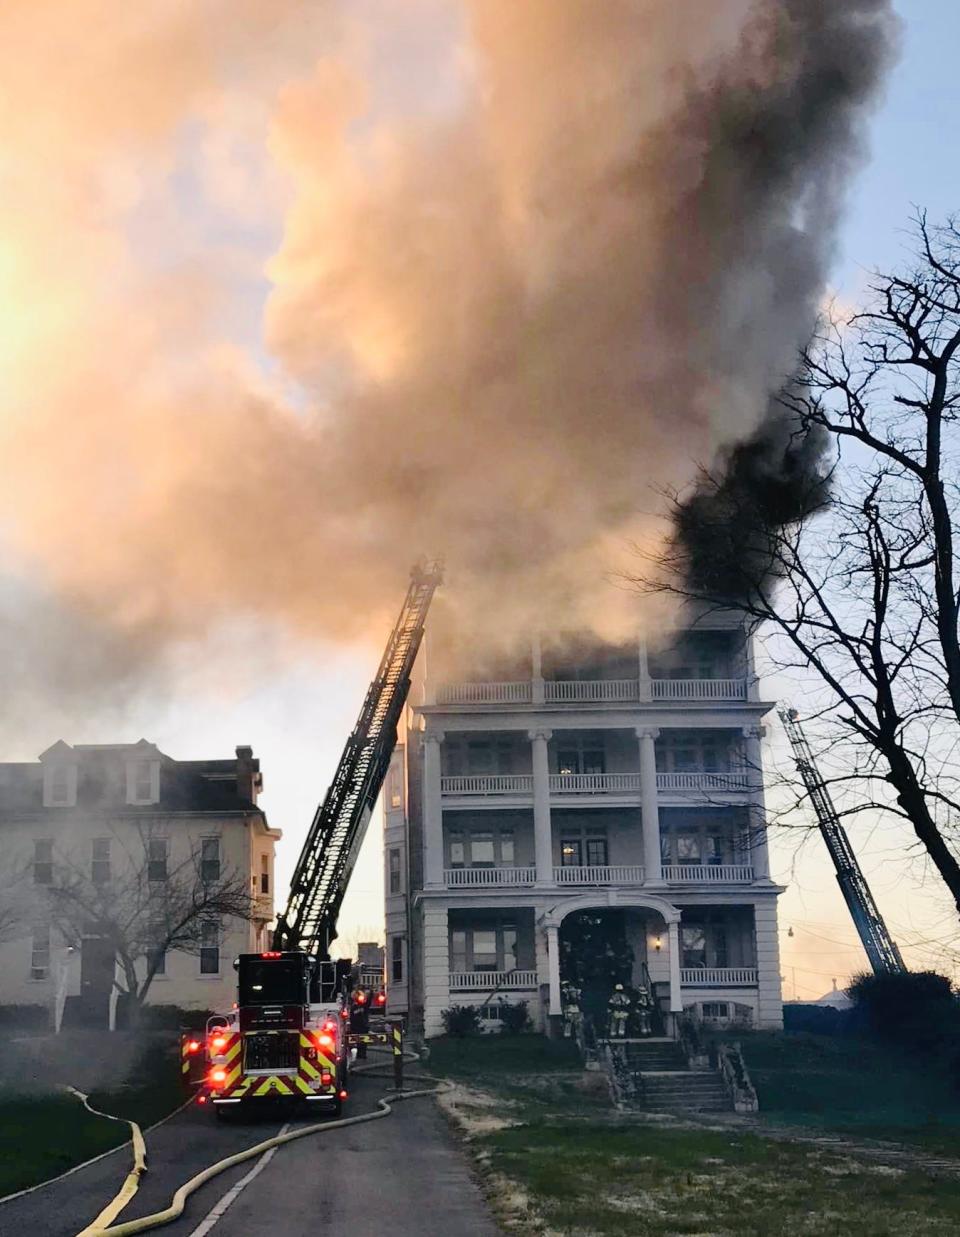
40,933
207,864
394,870
154,864
46,864
210,926
101,869
397,959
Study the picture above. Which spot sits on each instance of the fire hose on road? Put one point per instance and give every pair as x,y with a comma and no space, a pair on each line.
178,1201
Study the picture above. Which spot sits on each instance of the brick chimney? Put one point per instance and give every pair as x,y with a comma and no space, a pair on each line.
249,777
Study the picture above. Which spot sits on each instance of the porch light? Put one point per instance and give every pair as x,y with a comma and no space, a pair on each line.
658,942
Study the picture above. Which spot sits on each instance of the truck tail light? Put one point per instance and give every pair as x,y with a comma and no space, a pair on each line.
326,1079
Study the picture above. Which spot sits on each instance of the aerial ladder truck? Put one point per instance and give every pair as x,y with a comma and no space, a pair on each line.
290,1033
880,947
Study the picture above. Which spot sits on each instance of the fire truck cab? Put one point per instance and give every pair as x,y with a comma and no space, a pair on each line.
286,1039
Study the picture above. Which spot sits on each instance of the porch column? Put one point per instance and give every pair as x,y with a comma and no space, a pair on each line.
436,968
676,999
756,814
649,805
553,969
432,811
542,828
643,670
536,665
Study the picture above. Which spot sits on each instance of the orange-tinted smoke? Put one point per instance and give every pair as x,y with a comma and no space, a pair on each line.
294,292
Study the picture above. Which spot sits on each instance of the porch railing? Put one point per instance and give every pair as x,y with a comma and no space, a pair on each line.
605,874
594,783
590,691
698,689
706,873
718,976
702,781
488,784
485,693
489,981
487,877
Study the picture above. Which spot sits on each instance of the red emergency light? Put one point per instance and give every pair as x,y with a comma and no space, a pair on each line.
218,1075
218,1042
272,953
201,1099
193,1045
380,998
361,998
326,1079
325,1041
343,1095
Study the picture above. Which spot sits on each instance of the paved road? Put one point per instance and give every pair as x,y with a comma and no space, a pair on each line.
401,1175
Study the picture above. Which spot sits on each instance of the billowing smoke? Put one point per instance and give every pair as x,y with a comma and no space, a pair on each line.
522,265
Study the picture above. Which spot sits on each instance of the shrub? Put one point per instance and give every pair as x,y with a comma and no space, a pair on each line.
461,1020
915,1009
514,1018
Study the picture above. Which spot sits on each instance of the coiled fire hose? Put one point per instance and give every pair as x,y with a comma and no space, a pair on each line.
178,1202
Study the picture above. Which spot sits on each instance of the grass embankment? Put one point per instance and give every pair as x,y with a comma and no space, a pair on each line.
44,1133
581,1168
855,1086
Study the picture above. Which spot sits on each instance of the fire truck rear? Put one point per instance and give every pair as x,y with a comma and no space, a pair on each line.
286,1039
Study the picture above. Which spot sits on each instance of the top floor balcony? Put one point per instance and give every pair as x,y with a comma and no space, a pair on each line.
578,692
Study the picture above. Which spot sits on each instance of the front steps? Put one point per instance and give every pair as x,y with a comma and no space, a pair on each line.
662,1082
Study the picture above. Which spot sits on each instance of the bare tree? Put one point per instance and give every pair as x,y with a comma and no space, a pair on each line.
145,913
836,527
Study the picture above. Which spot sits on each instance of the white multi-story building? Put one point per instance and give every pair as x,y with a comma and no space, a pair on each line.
625,782
90,827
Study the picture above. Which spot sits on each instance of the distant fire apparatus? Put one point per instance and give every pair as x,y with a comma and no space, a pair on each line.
299,1017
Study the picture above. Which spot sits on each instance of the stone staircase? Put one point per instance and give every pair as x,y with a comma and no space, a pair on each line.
664,1083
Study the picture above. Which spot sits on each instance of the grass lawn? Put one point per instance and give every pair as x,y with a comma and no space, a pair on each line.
586,1170
43,1134
641,1181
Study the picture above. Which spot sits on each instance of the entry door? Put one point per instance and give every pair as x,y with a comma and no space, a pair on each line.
96,979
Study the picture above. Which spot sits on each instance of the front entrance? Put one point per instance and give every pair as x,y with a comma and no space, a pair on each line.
96,980
599,950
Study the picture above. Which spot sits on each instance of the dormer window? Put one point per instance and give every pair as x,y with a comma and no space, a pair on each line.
143,782
59,784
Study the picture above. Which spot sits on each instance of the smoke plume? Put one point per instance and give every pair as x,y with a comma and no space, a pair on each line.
297,291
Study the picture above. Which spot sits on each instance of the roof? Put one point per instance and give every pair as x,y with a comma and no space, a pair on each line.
186,786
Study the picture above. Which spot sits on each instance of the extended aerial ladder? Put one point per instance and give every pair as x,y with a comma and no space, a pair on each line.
309,920
880,947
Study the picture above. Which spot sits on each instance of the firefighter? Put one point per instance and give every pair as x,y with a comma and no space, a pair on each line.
644,1004
619,1007
360,1017
570,995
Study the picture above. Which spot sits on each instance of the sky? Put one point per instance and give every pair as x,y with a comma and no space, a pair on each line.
295,702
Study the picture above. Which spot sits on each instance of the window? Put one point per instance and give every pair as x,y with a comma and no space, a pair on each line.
157,961
484,949
142,781
43,861
585,755
100,861
210,860
583,847
60,785
394,871
693,751
40,952
396,959
487,948
714,1011
210,948
264,873
704,945
157,849
688,848
479,757
394,788
694,945
700,839
482,849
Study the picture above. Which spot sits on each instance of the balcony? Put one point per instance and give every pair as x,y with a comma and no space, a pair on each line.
594,691
707,874
597,691
700,782
487,878
493,981
594,783
485,693
698,689
718,977
607,874
488,784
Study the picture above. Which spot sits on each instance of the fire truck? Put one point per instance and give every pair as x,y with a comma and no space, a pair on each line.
294,1027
